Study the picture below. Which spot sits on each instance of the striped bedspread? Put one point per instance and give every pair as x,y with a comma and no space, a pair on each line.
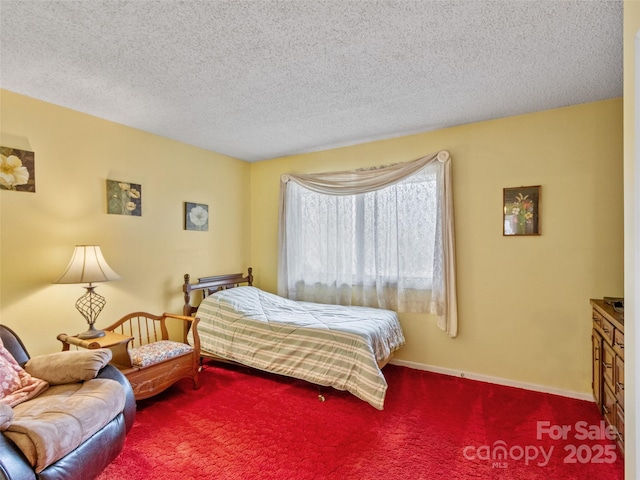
328,345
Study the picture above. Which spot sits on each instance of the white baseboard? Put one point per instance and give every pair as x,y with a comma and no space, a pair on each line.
496,380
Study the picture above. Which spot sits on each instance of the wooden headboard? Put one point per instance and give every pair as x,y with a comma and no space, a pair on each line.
209,285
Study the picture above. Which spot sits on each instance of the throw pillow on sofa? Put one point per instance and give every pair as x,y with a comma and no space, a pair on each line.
68,367
16,385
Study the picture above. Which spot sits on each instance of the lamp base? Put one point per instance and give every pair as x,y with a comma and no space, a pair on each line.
91,333
90,305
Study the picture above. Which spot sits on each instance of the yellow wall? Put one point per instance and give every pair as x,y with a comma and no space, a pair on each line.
523,302
632,203
74,156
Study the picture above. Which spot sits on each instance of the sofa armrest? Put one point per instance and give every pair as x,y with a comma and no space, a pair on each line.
13,464
113,373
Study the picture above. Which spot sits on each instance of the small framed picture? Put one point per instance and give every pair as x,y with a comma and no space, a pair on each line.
124,198
17,170
521,211
196,216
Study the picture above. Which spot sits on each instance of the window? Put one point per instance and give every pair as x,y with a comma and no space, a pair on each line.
380,246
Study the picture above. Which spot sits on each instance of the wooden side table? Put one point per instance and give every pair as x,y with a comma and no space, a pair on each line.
113,341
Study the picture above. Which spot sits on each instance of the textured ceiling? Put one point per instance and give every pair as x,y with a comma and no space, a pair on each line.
262,79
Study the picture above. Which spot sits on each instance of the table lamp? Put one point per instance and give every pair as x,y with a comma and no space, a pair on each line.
88,265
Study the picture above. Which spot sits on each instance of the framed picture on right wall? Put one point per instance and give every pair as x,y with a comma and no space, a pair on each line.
521,211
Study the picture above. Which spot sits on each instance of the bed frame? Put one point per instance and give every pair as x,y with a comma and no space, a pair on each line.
209,285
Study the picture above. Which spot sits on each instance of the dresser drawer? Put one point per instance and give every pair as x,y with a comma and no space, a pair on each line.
618,342
618,379
604,326
608,331
597,320
609,407
608,364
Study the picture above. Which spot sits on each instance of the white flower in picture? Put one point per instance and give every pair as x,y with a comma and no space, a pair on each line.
196,216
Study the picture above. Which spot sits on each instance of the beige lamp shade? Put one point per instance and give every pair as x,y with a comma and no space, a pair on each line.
87,265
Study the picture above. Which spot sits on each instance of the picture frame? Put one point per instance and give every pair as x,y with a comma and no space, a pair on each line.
521,211
196,216
124,198
18,170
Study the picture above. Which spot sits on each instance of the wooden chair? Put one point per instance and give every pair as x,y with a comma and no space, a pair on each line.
154,362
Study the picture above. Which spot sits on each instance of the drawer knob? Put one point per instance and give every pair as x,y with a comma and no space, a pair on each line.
606,365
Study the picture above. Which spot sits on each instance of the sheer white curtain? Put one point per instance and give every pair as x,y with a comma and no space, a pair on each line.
380,237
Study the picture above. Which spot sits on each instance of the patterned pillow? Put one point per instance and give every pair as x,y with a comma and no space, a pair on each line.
157,352
16,385
9,378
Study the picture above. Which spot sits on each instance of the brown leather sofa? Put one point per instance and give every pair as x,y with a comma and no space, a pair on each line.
90,457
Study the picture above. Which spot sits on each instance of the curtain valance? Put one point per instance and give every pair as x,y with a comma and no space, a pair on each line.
353,182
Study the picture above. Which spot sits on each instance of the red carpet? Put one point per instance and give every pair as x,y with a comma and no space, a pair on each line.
244,424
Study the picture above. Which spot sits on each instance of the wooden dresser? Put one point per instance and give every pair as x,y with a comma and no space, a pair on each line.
608,365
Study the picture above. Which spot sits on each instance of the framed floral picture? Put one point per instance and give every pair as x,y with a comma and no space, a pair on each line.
124,198
17,170
521,211
196,216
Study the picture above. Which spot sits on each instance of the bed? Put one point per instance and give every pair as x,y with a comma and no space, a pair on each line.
327,345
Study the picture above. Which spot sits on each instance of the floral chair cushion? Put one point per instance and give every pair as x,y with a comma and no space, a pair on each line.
155,352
